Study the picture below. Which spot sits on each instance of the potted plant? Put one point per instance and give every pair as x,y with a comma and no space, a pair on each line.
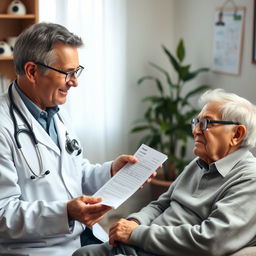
167,120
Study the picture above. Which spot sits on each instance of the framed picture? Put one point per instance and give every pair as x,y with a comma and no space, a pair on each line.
254,35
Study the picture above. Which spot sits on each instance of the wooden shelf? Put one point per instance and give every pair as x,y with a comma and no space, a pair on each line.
6,58
11,25
12,16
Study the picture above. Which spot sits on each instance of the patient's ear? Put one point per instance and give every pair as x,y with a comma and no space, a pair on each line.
239,134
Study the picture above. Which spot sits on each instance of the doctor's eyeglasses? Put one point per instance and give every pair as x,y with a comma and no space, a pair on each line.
69,74
205,123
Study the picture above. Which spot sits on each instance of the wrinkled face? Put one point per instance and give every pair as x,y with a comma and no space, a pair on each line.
215,142
51,88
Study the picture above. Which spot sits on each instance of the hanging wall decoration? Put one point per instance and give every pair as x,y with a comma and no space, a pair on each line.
228,39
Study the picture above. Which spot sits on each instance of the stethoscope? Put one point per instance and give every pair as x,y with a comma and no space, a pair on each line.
72,145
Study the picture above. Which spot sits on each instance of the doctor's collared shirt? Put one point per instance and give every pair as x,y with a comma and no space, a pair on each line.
45,118
208,210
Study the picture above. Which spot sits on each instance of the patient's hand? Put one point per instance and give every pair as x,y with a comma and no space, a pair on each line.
121,231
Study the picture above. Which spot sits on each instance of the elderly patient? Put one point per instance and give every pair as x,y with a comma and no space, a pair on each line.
210,209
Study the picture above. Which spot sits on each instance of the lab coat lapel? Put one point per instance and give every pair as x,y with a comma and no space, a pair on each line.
61,131
67,162
41,135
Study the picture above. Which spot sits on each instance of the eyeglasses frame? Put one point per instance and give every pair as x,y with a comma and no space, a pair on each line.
63,72
208,121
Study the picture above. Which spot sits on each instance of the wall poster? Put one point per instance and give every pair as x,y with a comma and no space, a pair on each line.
228,40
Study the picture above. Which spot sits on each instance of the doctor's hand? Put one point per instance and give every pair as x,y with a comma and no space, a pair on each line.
86,209
121,161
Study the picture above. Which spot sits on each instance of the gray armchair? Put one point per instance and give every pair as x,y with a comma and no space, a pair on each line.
248,251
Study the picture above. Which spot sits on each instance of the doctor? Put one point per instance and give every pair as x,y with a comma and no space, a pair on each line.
44,181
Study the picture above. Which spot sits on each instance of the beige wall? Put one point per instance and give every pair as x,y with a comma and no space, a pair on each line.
149,23
194,22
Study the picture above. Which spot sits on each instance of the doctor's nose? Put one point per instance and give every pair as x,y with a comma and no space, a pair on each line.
73,81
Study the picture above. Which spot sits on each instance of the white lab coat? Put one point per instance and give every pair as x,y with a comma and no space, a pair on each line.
33,214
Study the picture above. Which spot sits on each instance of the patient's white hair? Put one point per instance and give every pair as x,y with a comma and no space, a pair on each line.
234,108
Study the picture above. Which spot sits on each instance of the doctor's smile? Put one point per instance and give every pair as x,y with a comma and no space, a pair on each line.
64,91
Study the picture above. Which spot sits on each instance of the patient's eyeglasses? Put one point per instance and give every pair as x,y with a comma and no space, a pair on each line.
204,123
69,74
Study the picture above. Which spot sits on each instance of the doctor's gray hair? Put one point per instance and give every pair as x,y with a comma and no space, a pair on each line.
36,44
234,108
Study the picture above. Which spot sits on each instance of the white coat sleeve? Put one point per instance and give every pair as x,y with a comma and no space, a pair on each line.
94,176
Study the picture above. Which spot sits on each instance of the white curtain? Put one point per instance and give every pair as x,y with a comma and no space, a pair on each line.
96,104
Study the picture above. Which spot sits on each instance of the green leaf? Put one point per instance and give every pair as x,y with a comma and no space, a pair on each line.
180,51
150,98
183,72
197,91
140,128
157,81
164,126
166,74
152,141
193,74
172,59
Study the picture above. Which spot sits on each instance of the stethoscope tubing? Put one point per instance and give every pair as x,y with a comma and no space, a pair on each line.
71,145
29,131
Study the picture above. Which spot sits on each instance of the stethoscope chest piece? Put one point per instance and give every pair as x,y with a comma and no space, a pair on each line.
72,146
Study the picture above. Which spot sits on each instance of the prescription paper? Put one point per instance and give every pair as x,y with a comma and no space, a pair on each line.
128,180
